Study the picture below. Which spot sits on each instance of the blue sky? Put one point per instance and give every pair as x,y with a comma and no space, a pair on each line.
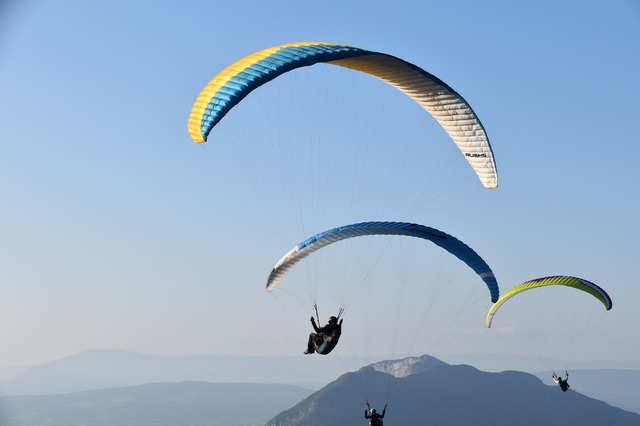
119,232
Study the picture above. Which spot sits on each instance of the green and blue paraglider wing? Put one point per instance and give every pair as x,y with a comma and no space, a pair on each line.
574,282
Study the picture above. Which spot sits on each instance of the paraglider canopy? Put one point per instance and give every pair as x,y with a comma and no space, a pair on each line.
451,110
446,241
567,281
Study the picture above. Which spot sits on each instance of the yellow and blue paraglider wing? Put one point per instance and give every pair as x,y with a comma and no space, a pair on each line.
451,111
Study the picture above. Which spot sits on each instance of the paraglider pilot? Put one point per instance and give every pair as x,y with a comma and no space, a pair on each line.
564,383
375,418
325,338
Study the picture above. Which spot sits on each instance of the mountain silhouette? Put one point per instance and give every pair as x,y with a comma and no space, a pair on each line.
427,391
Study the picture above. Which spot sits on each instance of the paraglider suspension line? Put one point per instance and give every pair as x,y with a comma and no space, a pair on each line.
317,316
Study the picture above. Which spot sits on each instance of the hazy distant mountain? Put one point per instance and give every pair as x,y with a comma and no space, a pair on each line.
438,393
424,390
10,373
159,404
532,364
101,369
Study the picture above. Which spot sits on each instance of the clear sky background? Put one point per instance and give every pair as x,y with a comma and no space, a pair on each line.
117,231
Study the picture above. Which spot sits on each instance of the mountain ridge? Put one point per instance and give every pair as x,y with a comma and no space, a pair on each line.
452,394
106,368
419,390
